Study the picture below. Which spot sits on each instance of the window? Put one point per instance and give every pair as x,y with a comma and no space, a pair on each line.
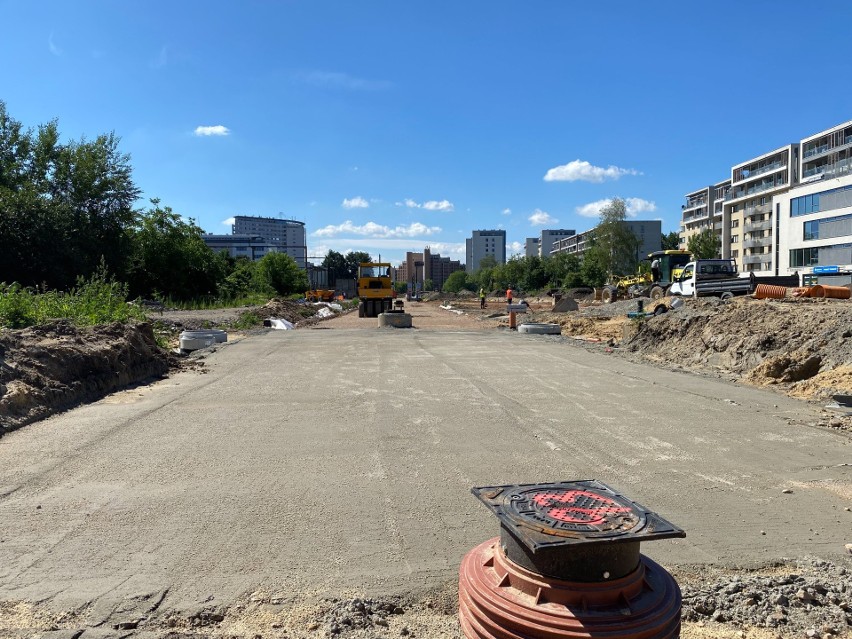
735,239
735,254
811,230
804,257
804,205
735,224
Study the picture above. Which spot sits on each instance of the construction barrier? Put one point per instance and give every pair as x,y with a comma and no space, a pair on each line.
770,292
831,292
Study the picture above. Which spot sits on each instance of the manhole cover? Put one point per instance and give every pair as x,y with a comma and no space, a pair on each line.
575,512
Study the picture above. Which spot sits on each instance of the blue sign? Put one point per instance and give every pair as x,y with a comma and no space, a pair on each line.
826,270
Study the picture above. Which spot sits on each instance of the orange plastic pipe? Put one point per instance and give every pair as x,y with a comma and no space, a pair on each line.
833,292
767,291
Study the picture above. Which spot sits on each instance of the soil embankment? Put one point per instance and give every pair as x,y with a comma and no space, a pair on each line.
49,368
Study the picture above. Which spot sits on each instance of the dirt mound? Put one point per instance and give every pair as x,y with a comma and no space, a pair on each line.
293,312
765,342
49,368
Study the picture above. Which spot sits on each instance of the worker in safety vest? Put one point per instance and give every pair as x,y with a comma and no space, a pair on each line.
481,297
509,295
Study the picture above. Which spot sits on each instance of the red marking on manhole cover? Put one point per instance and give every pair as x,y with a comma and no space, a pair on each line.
579,506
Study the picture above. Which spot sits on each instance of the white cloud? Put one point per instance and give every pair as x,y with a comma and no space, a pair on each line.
443,205
432,205
318,250
333,80
207,131
229,222
516,247
55,50
541,218
356,202
580,170
372,229
633,207
636,205
507,211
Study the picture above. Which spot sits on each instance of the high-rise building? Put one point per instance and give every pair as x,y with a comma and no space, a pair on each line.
426,266
254,237
482,243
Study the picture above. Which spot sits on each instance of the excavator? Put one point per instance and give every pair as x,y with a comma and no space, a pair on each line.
643,284
375,289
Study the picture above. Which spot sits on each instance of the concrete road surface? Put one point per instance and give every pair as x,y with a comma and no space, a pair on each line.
333,460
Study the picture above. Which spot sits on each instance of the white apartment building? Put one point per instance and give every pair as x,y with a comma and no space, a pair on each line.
786,211
543,245
254,237
815,217
483,243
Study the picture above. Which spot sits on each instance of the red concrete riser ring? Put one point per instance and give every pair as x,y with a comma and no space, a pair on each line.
500,600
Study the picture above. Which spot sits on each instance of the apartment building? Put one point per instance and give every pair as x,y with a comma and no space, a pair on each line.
482,243
531,247
785,211
648,232
419,267
815,217
542,245
254,237
703,209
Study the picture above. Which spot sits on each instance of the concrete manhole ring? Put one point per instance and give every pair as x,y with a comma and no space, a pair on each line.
540,329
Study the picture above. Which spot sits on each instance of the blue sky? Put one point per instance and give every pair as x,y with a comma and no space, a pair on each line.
386,126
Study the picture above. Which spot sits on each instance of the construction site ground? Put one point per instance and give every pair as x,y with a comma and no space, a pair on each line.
315,483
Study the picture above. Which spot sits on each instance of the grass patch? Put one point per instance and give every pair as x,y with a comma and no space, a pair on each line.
98,300
209,303
247,320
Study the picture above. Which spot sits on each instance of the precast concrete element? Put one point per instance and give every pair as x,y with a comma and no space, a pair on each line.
566,565
395,320
194,340
540,329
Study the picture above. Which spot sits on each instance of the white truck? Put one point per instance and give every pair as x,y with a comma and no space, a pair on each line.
719,278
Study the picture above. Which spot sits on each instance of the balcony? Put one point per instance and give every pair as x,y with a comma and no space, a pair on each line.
698,215
829,170
757,226
825,148
757,241
760,209
757,259
739,193
763,169
717,226
692,204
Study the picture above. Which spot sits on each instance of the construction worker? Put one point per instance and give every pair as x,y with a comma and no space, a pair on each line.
655,269
509,295
481,297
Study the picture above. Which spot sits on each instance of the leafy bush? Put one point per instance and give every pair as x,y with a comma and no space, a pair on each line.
98,300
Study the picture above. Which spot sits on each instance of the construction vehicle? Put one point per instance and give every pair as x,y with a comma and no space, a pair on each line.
375,289
719,278
642,284
320,295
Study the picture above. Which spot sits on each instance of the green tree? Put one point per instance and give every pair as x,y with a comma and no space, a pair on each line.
559,267
71,202
170,257
484,275
353,259
670,241
619,247
336,265
593,271
428,284
457,281
704,245
280,273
